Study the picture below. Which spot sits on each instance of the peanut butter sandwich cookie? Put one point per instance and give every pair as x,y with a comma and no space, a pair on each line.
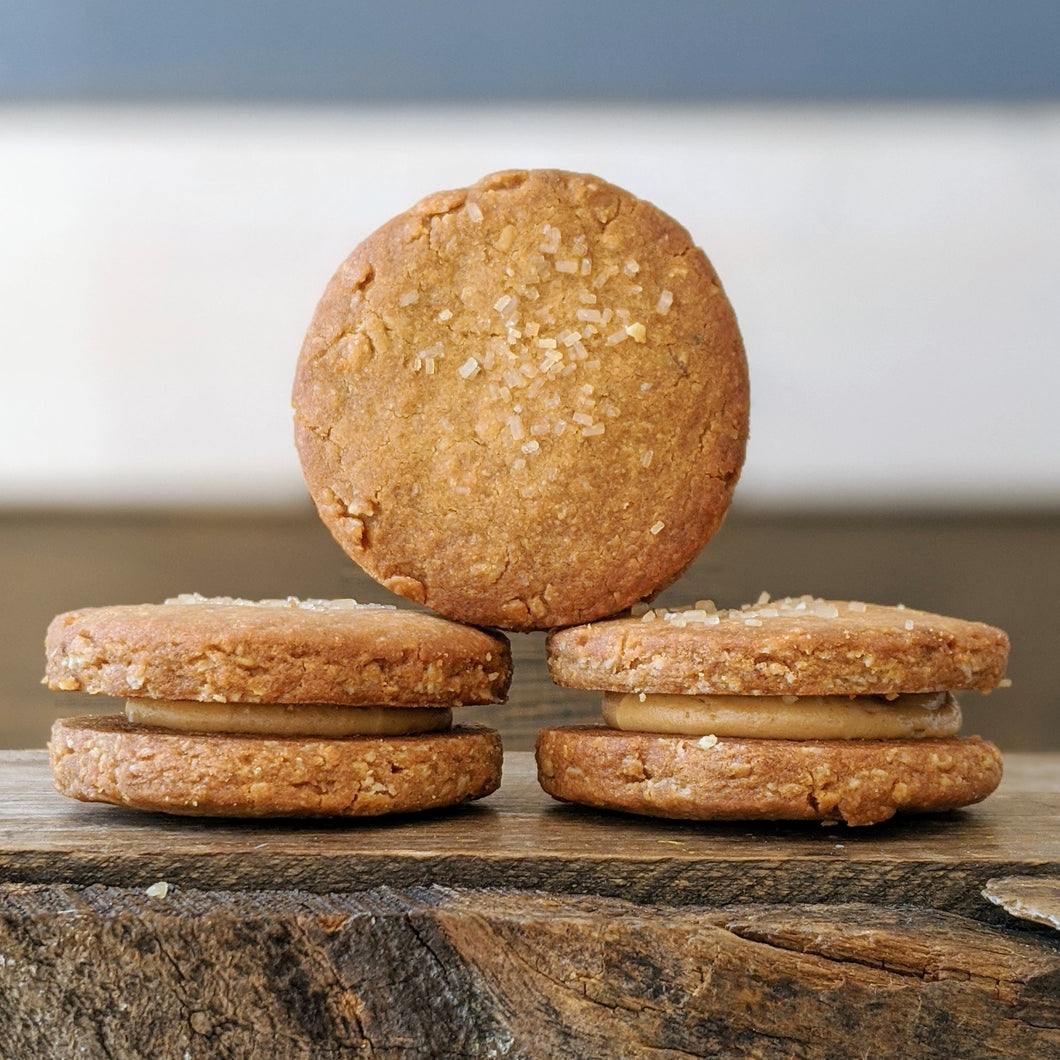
524,403
296,708
793,709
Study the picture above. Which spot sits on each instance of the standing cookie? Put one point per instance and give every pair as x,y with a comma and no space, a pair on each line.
524,403
799,709
275,707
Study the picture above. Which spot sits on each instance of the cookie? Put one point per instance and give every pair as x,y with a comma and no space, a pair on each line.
276,651
108,759
859,782
275,707
524,404
793,709
795,646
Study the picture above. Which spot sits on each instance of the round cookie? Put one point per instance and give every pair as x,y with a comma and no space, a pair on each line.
275,651
860,782
802,646
524,403
742,713
107,759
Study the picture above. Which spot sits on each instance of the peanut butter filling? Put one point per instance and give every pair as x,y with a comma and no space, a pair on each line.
287,719
786,717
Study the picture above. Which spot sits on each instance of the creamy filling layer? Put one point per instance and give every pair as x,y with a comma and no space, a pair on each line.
284,719
786,717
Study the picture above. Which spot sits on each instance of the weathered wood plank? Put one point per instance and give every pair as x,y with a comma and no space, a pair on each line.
1030,898
519,838
104,972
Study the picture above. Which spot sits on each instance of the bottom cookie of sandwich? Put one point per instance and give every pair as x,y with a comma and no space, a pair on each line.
108,759
860,782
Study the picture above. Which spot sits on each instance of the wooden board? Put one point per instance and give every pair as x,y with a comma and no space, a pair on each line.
523,928
433,972
521,839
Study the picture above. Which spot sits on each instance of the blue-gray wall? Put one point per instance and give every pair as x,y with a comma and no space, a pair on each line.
623,50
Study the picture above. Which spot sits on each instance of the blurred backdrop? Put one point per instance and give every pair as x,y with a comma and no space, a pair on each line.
878,185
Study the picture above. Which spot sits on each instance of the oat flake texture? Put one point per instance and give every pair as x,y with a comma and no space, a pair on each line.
859,782
107,759
229,651
801,646
524,404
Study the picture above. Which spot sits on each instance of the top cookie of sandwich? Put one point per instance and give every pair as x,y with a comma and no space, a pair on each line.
524,403
801,646
275,651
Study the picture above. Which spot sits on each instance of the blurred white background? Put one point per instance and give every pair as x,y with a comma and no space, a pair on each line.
894,261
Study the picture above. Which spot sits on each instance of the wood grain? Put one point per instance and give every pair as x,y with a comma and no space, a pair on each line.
105,972
521,839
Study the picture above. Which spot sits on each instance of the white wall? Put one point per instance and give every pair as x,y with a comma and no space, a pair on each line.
896,273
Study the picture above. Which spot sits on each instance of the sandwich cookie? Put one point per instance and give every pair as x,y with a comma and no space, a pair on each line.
275,707
524,404
793,709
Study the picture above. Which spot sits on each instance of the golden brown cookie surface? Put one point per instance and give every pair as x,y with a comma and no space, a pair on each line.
107,759
282,651
525,403
797,646
710,778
